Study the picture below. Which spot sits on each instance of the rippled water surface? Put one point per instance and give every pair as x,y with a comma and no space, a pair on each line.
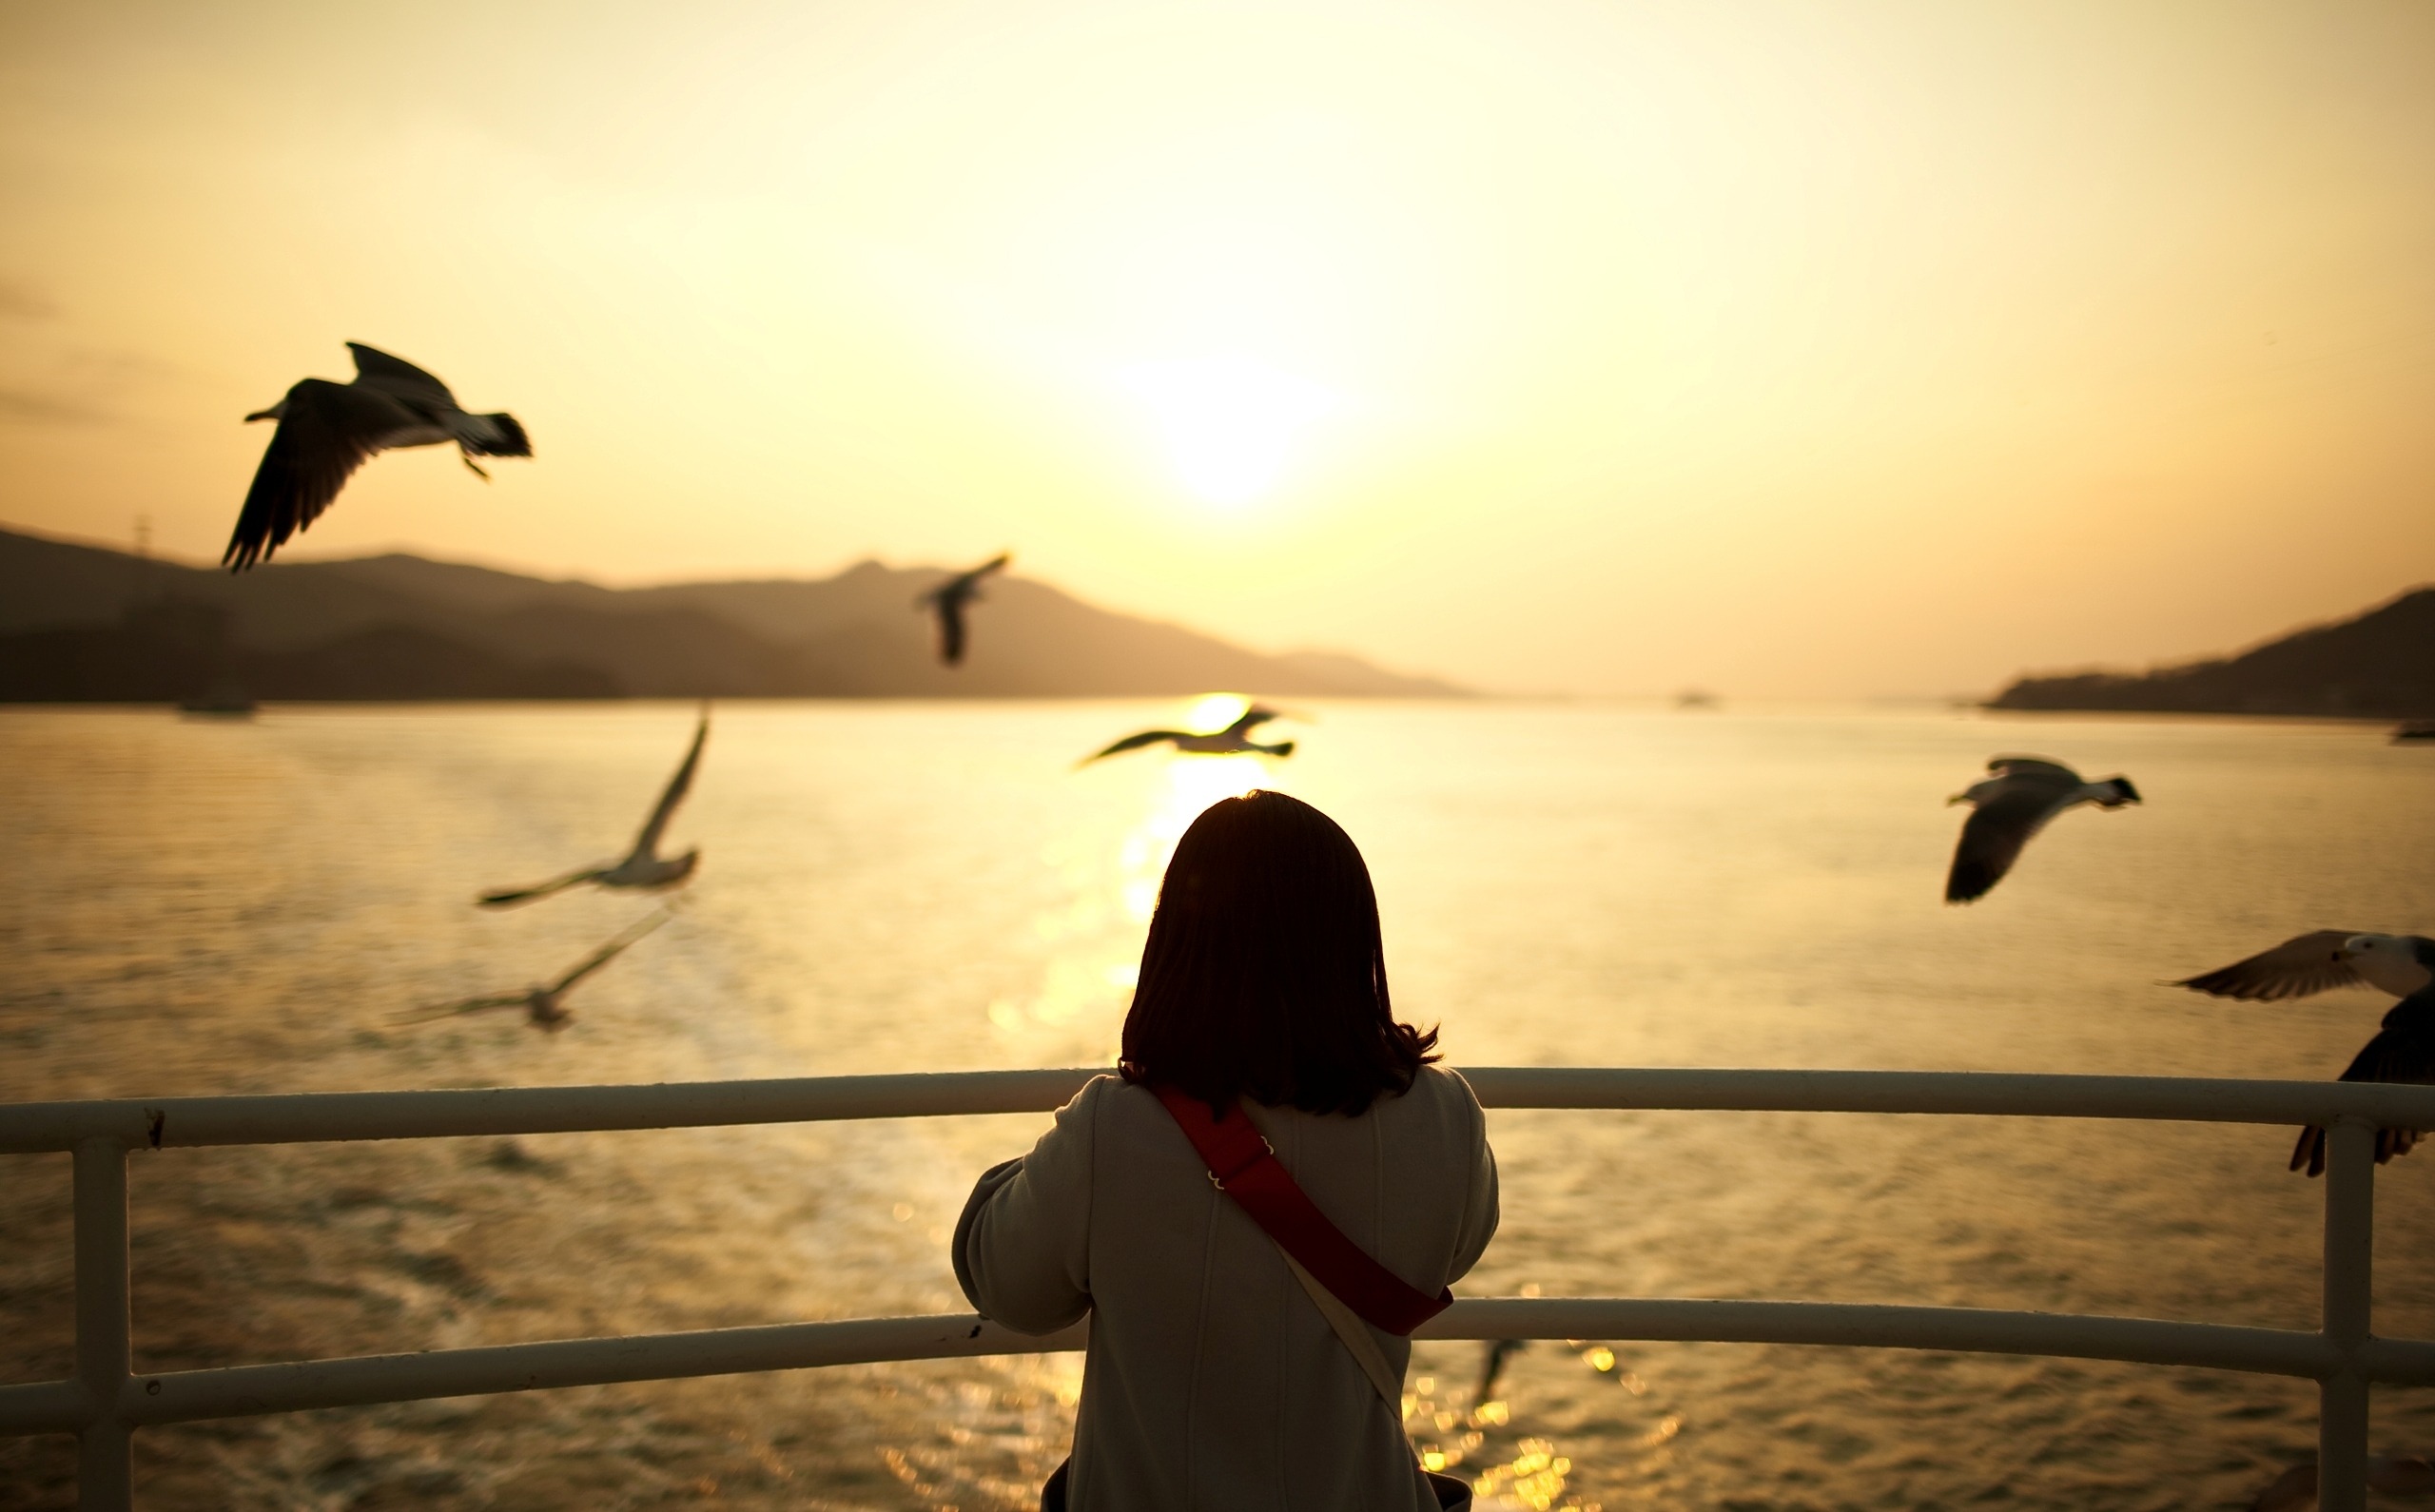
194,906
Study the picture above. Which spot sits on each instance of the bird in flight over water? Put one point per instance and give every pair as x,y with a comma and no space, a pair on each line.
2007,808
1233,741
544,1007
2404,1047
2320,961
947,601
328,430
643,865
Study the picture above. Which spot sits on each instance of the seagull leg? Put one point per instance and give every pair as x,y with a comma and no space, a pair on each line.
471,468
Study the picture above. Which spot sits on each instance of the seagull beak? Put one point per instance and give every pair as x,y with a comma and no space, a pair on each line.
1957,798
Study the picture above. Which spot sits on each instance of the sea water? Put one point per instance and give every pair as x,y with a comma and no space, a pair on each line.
195,906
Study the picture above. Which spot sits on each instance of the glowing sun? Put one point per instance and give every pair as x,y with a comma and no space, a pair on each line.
1230,425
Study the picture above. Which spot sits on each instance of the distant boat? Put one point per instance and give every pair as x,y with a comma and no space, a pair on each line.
2417,729
1696,698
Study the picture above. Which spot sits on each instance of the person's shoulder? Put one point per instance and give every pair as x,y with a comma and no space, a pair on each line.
1110,1095
1443,1084
1439,1095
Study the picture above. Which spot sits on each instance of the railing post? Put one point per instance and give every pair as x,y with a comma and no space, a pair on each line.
2349,1274
105,1471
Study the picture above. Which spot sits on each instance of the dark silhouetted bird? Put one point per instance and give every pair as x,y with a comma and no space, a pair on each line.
947,601
544,1007
2025,793
643,866
1233,741
328,430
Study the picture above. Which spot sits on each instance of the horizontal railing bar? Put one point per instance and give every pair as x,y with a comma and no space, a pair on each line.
1974,1330
241,1390
2020,1094
305,1118
2398,1362
42,1406
298,1118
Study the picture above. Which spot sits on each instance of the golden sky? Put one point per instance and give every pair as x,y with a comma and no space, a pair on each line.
1787,349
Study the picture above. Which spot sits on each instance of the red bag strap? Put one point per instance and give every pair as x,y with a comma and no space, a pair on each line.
1242,1165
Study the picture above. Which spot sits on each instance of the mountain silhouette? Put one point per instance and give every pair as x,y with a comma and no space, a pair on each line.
2379,665
86,623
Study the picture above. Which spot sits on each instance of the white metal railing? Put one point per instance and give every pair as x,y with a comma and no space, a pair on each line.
104,1401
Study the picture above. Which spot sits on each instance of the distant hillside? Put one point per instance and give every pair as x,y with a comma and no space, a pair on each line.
81,623
2378,666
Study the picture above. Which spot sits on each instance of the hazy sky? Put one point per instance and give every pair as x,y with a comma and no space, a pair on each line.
1778,348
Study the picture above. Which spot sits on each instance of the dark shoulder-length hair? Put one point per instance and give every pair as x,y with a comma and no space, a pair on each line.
1264,977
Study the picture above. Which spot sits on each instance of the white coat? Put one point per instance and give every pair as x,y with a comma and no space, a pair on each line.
1212,1383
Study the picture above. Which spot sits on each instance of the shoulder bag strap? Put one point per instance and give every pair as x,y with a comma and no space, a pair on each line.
1357,1338
1241,1165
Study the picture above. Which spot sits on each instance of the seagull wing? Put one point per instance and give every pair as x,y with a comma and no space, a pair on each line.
376,369
325,431
1493,1366
994,564
646,843
1148,737
2036,768
470,1005
1991,839
509,896
951,609
2299,967
2402,1049
608,951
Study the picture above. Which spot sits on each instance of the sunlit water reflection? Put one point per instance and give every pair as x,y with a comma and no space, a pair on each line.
200,907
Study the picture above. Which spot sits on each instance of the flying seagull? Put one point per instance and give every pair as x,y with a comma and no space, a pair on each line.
2320,961
2402,1049
1233,740
328,430
2016,803
947,601
543,1006
643,865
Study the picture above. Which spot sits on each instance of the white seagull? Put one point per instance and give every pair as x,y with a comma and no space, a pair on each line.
544,1007
328,430
2025,793
947,601
1233,741
643,865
